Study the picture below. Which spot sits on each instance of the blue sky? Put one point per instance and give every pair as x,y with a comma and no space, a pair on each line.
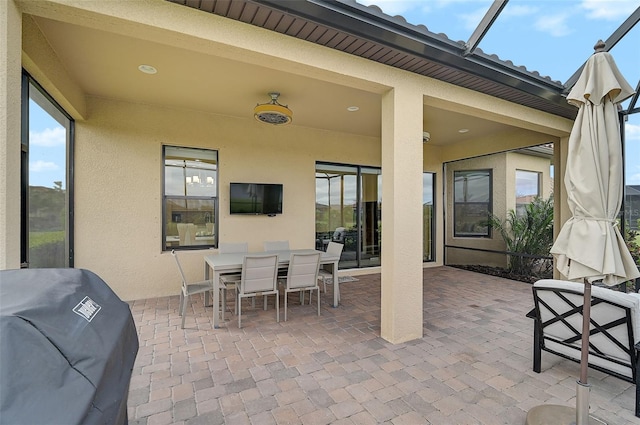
47,149
552,37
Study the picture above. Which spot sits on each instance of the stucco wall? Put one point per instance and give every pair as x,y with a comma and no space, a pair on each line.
10,30
503,166
498,165
118,186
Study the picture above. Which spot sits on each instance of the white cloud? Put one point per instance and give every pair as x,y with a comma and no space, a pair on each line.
631,132
43,166
49,137
633,179
517,11
471,20
554,25
609,9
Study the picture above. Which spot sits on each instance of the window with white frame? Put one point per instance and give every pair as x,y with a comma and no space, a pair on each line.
190,196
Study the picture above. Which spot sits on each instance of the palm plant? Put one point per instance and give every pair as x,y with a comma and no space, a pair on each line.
632,238
528,237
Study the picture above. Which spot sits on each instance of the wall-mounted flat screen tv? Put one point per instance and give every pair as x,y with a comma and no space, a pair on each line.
255,198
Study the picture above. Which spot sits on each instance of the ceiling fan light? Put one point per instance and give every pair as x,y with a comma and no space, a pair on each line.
273,112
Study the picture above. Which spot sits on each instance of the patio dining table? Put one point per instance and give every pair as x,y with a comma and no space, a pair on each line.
232,263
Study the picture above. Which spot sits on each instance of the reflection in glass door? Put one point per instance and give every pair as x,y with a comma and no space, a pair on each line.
370,216
428,219
46,195
337,209
348,211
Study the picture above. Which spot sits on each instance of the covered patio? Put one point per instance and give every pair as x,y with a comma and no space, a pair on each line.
473,365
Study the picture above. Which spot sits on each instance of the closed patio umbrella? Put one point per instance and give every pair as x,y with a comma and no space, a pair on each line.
589,246
593,179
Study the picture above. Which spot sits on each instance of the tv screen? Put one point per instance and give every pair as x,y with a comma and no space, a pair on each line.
255,198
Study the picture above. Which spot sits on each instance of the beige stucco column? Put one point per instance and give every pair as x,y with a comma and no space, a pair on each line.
10,76
561,212
401,313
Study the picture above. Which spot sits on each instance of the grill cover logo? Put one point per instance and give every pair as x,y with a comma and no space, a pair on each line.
87,309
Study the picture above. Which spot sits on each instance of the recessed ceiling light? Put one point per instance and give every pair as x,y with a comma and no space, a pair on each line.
463,130
352,108
147,69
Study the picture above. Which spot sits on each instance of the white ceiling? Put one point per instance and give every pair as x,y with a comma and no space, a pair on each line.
106,64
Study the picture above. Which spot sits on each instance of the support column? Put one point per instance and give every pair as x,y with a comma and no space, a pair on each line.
10,81
561,212
402,167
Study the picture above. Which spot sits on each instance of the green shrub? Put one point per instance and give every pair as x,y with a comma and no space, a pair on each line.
632,238
530,233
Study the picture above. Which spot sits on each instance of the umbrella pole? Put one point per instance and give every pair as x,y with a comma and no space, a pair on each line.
582,388
555,414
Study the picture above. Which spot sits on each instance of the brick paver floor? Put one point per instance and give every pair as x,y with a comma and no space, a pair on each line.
473,365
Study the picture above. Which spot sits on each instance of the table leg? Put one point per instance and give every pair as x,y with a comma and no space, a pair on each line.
216,293
207,296
216,299
336,285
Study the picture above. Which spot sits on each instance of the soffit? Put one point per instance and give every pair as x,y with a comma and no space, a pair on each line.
104,63
366,32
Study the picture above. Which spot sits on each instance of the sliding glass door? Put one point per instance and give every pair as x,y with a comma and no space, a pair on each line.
370,216
46,232
428,229
348,207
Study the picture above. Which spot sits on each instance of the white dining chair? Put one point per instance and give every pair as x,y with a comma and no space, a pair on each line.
233,247
228,281
270,246
276,245
188,289
259,277
186,233
334,249
302,276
